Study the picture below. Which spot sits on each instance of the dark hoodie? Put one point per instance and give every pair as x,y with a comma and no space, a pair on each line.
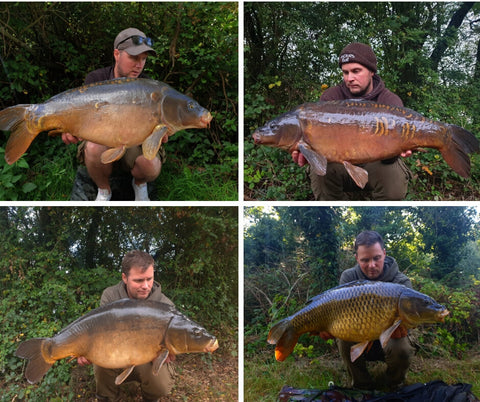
380,94
390,273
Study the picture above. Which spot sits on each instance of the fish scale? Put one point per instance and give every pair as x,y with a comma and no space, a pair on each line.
360,311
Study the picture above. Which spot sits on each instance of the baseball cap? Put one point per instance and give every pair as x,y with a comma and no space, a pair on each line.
134,42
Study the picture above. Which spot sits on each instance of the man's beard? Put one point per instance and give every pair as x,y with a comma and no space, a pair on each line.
363,91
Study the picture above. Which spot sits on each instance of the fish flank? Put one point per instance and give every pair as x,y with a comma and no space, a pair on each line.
377,132
357,312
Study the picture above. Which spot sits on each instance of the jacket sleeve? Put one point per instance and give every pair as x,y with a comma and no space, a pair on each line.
348,275
402,279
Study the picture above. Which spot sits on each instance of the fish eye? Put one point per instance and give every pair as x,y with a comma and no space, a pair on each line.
191,105
197,332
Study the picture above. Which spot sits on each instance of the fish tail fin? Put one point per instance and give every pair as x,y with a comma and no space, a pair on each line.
37,365
285,337
456,152
13,119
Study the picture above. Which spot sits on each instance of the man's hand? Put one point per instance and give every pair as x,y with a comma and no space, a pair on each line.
299,158
400,332
68,139
83,361
170,358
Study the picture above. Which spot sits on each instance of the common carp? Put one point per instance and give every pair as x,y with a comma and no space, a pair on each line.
355,132
122,334
118,113
359,311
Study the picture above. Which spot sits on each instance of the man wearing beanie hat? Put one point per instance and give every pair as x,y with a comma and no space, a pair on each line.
388,179
131,49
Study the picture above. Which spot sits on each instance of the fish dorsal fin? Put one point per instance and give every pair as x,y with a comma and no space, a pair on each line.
358,174
152,143
317,161
385,336
123,375
113,154
357,349
159,360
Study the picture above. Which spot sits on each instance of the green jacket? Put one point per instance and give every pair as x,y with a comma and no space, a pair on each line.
119,291
391,273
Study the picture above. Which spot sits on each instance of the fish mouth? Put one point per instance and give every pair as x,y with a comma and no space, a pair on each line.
212,346
257,138
206,119
443,314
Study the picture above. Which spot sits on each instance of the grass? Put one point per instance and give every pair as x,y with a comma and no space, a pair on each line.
178,181
49,177
264,377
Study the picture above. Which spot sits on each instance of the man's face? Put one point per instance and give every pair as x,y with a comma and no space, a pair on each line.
371,259
139,284
127,65
357,78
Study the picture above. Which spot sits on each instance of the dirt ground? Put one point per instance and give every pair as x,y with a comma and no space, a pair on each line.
198,377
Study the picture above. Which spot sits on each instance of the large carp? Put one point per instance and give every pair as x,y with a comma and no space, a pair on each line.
122,334
355,132
360,311
119,114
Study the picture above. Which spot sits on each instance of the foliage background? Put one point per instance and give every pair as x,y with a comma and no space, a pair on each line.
428,53
294,253
55,262
47,48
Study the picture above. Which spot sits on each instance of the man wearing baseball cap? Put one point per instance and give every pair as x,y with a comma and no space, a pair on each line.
131,49
387,179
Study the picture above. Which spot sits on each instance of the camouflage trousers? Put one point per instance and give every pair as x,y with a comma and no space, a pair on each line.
386,182
397,355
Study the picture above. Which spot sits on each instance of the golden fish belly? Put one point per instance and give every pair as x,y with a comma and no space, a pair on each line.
110,340
109,125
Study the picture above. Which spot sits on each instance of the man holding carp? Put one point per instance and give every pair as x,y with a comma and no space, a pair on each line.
137,283
387,179
374,265
131,49
369,314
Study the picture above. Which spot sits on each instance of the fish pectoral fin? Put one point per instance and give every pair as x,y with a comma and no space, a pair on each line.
357,350
358,174
317,161
123,375
113,154
159,360
385,336
153,142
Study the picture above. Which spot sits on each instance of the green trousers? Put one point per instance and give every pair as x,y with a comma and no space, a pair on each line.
397,355
386,182
153,386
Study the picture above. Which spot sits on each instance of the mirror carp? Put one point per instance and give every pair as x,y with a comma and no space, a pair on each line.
359,311
119,114
355,131
122,334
